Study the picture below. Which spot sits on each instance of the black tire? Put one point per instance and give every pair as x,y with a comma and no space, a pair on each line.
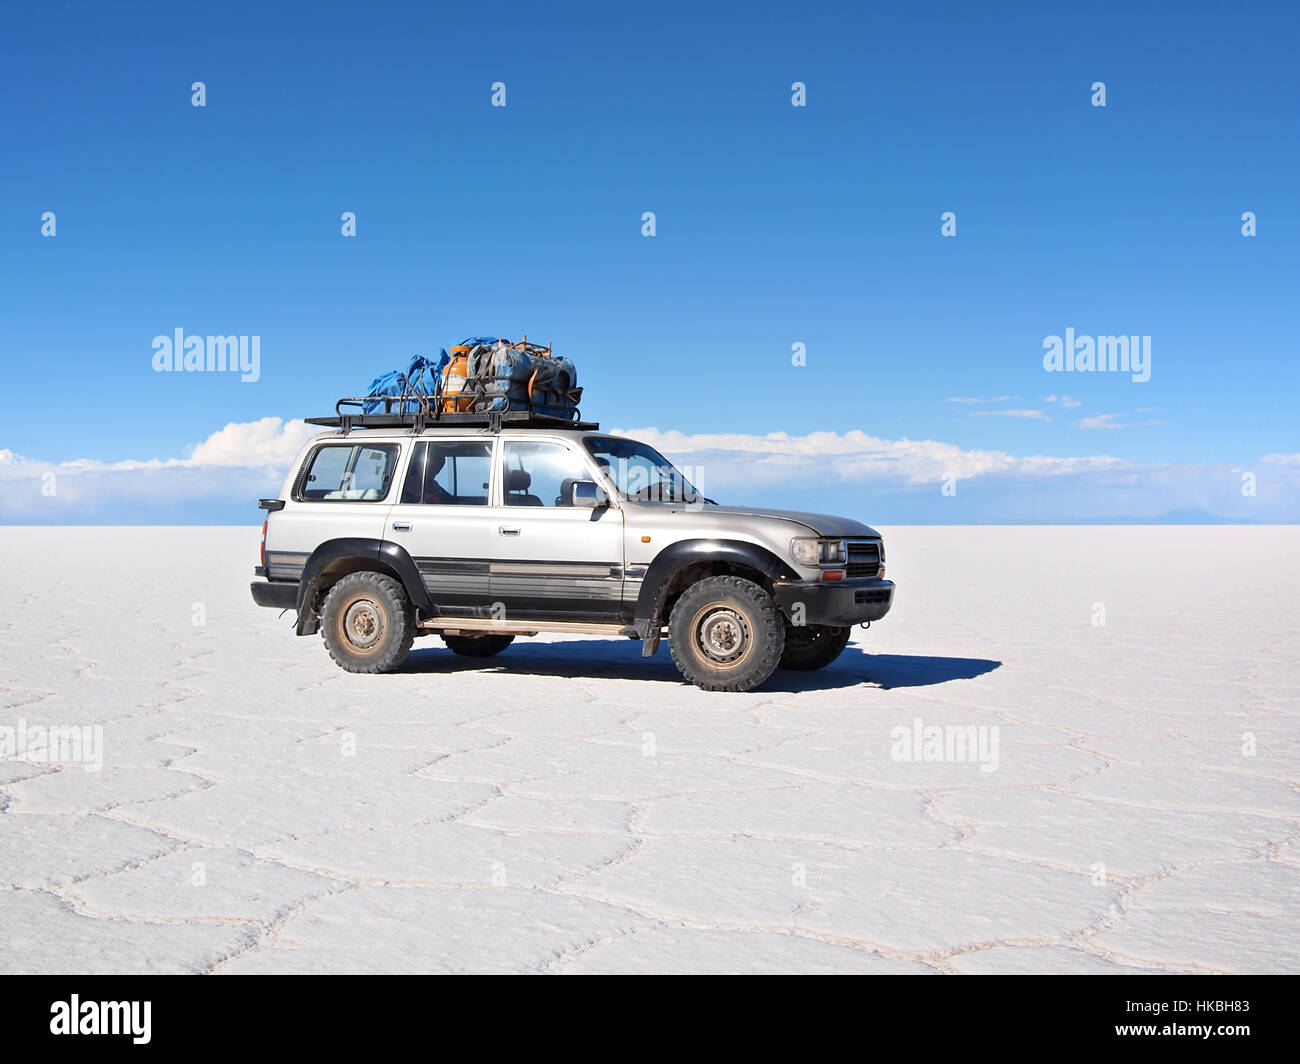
367,623
726,634
478,646
813,646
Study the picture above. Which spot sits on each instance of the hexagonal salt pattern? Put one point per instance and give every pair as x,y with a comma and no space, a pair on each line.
986,781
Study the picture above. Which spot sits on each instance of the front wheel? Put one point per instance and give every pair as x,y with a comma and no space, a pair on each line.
813,646
726,634
367,623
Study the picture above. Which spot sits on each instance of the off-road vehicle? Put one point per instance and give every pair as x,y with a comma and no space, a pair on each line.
481,529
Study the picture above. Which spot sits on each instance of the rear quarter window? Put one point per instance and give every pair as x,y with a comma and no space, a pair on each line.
342,472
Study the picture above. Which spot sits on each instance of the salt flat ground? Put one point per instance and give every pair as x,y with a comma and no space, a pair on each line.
570,807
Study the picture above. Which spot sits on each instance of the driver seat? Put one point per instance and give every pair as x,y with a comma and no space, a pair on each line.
518,481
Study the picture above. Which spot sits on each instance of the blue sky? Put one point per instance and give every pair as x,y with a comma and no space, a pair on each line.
775,225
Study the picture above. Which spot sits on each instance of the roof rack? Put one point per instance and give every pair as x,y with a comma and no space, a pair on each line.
419,412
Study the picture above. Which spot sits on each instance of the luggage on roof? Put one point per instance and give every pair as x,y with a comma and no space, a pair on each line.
454,399
521,376
482,380
421,379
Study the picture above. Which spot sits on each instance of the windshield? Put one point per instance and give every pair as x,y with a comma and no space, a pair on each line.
640,472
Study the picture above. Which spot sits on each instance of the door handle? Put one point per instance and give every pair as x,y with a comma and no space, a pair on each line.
401,526
507,530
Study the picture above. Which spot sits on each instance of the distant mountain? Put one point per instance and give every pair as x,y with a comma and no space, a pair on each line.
1200,517
1169,517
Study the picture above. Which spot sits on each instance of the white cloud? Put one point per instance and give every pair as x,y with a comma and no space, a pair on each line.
222,477
992,399
235,462
850,456
1033,415
1064,400
1100,421
1111,421
268,442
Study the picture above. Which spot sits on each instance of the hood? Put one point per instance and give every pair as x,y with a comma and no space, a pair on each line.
821,524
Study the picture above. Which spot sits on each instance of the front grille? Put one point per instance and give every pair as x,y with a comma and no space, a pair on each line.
864,558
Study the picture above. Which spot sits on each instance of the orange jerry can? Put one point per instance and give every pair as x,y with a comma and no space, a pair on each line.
453,382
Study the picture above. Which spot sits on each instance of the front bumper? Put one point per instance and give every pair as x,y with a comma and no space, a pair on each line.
278,594
837,603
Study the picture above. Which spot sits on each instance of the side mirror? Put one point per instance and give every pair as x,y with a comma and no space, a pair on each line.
589,495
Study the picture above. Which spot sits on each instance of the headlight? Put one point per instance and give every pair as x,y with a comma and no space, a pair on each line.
814,552
804,552
834,552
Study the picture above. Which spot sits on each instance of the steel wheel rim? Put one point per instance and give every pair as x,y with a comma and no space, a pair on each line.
363,625
723,635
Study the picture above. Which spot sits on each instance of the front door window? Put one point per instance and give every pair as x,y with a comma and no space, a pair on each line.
541,473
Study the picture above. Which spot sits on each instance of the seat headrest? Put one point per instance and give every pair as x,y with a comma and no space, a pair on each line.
518,480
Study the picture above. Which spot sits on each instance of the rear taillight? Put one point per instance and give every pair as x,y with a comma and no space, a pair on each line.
263,550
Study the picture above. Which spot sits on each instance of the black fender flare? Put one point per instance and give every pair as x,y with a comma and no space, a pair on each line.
672,559
387,555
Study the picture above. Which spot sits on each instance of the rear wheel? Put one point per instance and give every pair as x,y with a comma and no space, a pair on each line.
813,646
726,634
367,622
478,646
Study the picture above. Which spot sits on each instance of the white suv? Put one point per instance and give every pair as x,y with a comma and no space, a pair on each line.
483,533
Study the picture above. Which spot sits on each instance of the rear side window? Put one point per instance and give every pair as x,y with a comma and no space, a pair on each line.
349,473
449,473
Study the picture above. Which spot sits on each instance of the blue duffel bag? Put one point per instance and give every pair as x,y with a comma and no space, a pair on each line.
422,377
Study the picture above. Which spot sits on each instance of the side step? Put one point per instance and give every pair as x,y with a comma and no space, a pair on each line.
472,625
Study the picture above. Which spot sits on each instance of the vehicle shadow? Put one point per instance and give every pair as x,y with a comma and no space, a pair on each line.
912,670
622,660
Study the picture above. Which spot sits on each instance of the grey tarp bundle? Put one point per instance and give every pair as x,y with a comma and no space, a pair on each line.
508,376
